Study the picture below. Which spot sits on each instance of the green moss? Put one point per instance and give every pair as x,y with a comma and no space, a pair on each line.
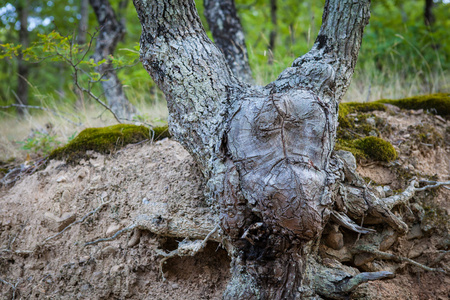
435,219
427,134
371,148
349,145
434,103
105,140
353,107
350,107
376,148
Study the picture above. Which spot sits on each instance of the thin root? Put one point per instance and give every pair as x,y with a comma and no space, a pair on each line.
185,248
13,286
388,256
116,235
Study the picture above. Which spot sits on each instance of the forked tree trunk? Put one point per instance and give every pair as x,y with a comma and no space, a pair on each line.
266,151
111,32
229,36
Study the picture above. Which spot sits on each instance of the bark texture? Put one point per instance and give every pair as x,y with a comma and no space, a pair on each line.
266,151
229,36
111,32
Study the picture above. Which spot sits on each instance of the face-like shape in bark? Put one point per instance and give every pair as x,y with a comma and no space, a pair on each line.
280,145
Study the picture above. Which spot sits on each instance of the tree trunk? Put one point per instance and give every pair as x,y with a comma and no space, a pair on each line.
111,32
22,66
428,13
273,31
266,151
229,36
83,25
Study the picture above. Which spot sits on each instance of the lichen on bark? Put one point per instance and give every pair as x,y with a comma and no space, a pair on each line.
267,152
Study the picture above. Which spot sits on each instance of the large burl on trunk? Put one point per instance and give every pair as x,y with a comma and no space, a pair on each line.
267,152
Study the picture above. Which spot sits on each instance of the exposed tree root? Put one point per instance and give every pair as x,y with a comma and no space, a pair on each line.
13,287
334,282
358,200
343,220
113,237
388,256
185,248
433,184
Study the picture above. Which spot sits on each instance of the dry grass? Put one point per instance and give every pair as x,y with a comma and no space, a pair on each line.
367,85
14,130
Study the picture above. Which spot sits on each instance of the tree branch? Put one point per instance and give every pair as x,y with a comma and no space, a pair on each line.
337,46
190,70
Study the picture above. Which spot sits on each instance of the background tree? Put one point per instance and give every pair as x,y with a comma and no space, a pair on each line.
111,32
22,66
83,23
273,32
428,13
229,36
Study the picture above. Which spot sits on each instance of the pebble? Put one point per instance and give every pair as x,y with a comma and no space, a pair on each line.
61,179
335,240
371,121
116,269
112,229
361,259
109,250
57,224
415,232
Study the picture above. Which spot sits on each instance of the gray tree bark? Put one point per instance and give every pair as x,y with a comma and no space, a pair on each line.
83,24
229,36
267,152
111,32
22,66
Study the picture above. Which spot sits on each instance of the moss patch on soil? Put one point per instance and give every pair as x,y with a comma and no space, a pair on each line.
359,135
435,103
106,140
370,148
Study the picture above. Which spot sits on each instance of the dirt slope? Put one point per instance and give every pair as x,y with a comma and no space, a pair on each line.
131,181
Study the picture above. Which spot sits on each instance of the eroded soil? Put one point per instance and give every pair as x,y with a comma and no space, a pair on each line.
40,205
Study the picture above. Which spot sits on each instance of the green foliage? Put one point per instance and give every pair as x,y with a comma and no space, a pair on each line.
106,140
40,143
397,45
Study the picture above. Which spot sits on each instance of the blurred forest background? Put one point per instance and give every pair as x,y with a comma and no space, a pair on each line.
405,52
